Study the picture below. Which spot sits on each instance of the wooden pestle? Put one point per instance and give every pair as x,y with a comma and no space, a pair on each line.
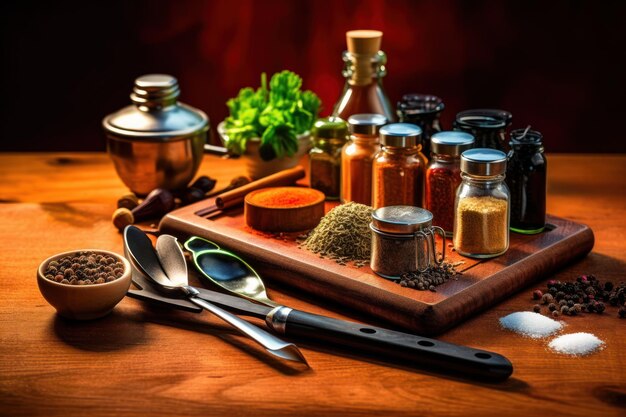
281,178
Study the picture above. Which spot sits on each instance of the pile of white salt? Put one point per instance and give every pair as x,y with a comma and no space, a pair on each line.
576,344
530,324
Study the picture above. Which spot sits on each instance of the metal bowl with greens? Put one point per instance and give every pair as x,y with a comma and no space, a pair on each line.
276,115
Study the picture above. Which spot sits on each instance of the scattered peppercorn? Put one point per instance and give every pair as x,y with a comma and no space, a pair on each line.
622,312
84,268
537,308
537,294
547,298
556,313
431,278
552,307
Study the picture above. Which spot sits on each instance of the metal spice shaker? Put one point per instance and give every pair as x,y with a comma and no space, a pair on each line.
157,142
403,240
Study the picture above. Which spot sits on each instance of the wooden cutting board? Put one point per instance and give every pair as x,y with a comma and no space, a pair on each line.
482,283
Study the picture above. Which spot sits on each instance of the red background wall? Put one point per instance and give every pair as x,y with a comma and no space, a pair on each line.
557,65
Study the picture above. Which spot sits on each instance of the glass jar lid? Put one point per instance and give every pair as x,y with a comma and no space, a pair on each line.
483,162
526,137
483,119
330,128
401,135
156,115
401,219
452,143
366,123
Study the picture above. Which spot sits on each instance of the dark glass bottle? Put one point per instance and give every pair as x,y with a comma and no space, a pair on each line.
422,110
488,126
526,179
364,69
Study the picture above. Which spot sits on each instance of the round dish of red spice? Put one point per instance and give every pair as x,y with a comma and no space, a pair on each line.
284,209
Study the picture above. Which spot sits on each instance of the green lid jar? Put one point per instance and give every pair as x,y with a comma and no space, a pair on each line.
328,135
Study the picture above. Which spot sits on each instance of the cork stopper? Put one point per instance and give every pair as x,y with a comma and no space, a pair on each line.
364,42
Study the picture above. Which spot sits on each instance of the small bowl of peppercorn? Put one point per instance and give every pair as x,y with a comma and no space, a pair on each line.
84,284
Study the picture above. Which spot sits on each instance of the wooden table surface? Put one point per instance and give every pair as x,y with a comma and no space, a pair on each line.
146,361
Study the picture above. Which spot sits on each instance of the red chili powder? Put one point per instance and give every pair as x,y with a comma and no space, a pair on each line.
285,197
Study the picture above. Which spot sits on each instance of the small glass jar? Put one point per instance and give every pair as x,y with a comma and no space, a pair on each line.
357,157
422,110
443,176
482,206
329,136
488,126
403,240
526,179
399,167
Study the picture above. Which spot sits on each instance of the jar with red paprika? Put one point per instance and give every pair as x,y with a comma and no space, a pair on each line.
443,176
399,167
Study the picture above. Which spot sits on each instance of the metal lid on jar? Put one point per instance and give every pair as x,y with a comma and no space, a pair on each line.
451,143
366,123
401,135
401,219
483,119
330,128
483,162
156,115
419,104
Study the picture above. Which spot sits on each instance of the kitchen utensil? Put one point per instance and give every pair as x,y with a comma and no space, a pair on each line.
236,196
227,270
139,249
157,142
386,345
83,302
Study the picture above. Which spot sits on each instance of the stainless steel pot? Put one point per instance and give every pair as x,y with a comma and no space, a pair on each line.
157,142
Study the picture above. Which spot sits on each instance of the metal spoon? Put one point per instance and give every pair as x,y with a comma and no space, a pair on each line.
227,270
138,248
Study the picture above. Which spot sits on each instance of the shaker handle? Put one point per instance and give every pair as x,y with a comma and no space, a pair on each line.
439,230
419,235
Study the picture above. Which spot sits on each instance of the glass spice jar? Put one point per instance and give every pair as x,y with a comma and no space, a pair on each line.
488,126
329,136
422,110
357,157
364,69
526,179
443,176
403,240
482,205
399,167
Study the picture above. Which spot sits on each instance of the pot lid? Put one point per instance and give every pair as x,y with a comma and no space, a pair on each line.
156,112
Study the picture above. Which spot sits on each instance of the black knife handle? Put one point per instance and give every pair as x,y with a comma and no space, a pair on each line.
402,347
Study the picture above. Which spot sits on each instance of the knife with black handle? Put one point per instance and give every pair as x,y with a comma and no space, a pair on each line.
401,347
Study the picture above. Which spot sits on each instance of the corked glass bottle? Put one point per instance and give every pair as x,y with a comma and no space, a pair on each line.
399,167
364,69
526,179
422,110
328,136
357,157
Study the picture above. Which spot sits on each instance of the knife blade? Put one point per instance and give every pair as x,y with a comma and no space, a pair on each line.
382,343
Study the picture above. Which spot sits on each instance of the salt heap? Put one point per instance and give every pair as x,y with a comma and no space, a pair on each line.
530,324
576,344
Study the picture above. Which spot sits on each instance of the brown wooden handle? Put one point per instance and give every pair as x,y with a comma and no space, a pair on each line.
282,178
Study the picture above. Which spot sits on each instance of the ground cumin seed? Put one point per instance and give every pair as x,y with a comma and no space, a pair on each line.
343,235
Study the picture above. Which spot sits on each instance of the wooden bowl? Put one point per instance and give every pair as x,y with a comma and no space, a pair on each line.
284,209
84,302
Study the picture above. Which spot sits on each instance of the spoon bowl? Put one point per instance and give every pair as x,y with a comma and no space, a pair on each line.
228,271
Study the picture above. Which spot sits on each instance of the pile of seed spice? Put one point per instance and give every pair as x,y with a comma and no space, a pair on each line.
343,235
84,268
587,294
431,278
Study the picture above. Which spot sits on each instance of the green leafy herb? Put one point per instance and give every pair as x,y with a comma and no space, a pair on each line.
276,115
